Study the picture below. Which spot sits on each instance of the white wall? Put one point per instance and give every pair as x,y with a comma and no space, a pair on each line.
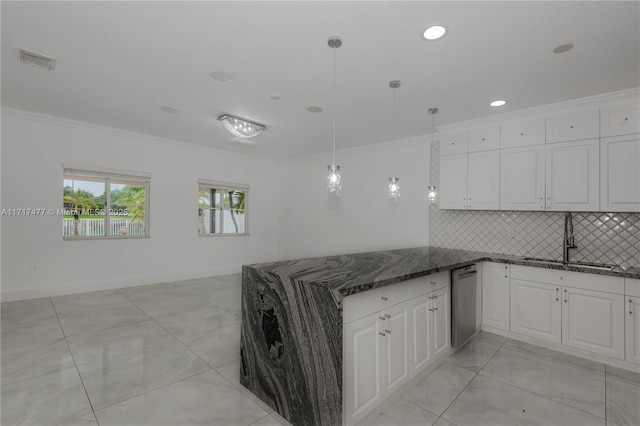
314,222
33,150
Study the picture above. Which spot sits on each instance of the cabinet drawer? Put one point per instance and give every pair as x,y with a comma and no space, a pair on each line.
573,127
367,302
623,119
582,280
484,139
429,283
522,133
453,143
632,287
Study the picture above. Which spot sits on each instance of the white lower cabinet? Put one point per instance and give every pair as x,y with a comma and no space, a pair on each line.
383,350
632,329
495,295
563,307
593,321
536,310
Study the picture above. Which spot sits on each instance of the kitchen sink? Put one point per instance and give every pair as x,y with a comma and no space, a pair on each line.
601,266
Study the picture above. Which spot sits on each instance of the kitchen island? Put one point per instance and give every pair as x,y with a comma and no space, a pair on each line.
292,323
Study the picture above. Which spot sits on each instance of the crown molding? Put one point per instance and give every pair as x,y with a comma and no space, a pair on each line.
594,101
95,128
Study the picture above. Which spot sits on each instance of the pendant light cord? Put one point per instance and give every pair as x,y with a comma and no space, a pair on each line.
334,105
394,115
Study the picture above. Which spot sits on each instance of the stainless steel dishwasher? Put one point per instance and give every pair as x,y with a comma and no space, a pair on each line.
463,304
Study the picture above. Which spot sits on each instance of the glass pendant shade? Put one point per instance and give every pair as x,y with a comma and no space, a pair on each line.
394,188
432,195
241,128
333,179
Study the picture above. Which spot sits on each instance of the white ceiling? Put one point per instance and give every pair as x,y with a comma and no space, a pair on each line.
118,62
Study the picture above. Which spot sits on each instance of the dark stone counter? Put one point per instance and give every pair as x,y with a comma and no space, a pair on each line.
291,343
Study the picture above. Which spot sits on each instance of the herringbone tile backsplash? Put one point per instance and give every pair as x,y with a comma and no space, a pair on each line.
611,238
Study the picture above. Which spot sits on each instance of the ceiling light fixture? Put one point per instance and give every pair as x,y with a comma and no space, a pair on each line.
221,76
394,187
432,194
314,109
334,183
563,48
434,32
498,103
241,128
168,109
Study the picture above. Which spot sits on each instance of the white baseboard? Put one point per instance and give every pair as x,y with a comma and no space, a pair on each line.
564,349
119,282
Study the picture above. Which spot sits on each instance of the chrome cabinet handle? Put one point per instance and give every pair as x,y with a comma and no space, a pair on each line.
432,309
383,298
571,127
557,296
387,331
630,305
381,333
387,315
382,318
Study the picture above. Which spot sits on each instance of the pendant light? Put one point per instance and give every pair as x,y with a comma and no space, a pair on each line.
333,179
432,193
394,187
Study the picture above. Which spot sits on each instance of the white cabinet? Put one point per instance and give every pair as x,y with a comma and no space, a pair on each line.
363,366
483,180
522,133
522,181
441,321
572,173
453,143
632,329
620,173
495,295
536,310
421,325
593,321
453,182
484,139
395,344
620,119
573,126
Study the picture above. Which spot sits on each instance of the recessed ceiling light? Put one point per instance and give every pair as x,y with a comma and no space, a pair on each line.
498,103
563,48
275,96
434,32
221,76
168,109
314,109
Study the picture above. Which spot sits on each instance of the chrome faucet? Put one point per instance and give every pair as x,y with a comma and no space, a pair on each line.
569,242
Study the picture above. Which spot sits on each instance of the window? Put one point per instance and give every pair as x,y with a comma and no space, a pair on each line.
104,205
222,208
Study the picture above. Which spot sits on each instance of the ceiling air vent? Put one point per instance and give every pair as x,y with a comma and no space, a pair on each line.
36,59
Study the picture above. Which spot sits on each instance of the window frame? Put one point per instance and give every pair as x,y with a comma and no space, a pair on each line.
226,187
70,172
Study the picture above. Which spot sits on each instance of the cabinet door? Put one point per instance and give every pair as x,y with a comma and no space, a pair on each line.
620,173
632,327
522,179
573,173
363,369
441,321
536,309
573,126
484,139
453,143
421,336
593,321
453,182
495,295
396,339
621,119
522,133
484,180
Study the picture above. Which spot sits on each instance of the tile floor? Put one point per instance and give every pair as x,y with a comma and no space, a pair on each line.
168,354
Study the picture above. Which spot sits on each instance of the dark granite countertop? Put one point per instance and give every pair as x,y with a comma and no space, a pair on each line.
352,273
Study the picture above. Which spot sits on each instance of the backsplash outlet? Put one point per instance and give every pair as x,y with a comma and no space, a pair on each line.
612,238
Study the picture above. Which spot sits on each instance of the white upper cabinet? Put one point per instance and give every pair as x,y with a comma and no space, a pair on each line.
483,181
572,176
484,139
621,119
620,173
522,133
454,143
522,181
573,126
453,182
